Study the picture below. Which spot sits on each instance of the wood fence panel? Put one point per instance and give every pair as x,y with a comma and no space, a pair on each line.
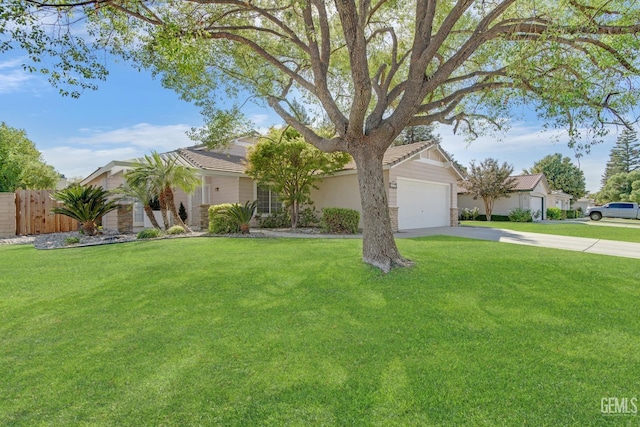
33,214
7,215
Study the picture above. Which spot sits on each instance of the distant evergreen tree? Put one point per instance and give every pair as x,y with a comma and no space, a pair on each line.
624,156
182,212
413,134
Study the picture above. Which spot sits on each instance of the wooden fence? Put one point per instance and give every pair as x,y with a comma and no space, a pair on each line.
7,215
33,214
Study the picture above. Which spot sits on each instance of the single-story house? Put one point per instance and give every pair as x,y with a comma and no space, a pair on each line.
531,192
420,178
559,199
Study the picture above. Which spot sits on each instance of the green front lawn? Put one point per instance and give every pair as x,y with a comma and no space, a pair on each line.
574,229
277,332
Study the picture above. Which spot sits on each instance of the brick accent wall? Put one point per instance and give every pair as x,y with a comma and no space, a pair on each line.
7,214
393,214
454,217
125,219
204,217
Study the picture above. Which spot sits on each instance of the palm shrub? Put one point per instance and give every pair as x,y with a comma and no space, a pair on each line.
85,204
144,194
239,214
164,174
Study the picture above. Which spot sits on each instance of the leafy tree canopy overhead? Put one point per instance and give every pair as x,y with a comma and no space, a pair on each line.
369,68
561,174
21,164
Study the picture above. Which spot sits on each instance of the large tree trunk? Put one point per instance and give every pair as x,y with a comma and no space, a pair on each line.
378,244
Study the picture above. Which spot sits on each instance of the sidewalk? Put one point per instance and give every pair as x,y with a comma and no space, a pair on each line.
579,244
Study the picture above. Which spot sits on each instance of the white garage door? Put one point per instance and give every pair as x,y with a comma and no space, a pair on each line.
422,204
536,205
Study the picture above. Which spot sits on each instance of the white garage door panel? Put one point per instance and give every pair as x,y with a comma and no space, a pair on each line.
536,205
422,204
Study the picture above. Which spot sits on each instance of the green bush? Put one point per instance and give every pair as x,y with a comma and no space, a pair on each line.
149,233
520,215
469,214
340,220
275,220
220,224
176,229
71,241
572,214
309,217
554,213
494,218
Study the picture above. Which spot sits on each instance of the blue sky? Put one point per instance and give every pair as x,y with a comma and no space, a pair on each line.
131,114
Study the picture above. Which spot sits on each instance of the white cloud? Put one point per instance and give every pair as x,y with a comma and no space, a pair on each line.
12,79
523,145
75,162
143,136
81,155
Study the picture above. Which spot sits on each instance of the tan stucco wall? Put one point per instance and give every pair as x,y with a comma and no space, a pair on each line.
246,188
338,191
224,189
7,214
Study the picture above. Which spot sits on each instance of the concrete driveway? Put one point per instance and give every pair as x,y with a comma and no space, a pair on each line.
579,244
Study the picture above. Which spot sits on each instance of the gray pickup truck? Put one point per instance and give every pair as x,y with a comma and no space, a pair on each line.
614,210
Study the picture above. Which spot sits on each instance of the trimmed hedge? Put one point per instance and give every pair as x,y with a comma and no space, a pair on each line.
494,218
340,220
219,224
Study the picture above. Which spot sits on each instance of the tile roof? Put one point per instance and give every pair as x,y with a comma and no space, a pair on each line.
527,182
397,153
211,160
523,183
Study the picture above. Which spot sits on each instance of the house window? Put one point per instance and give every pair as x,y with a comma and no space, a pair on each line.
268,201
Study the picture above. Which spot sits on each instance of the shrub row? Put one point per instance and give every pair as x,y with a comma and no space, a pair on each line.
333,220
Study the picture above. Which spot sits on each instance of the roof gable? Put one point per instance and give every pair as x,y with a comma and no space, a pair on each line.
400,153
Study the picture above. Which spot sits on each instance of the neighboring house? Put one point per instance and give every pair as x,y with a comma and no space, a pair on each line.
531,192
584,203
420,178
559,199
